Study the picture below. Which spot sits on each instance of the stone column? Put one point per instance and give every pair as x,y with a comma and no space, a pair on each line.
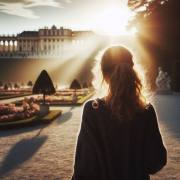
36,46
27,48
0,46
4,45
17,45
13,46
30,46
24,47
9,46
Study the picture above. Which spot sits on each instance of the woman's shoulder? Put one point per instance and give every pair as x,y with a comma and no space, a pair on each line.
94,104
150,108
150,114
147,112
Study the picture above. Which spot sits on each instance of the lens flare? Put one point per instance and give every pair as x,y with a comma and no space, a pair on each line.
114,21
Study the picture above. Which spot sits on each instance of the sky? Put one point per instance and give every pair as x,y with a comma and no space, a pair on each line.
19,15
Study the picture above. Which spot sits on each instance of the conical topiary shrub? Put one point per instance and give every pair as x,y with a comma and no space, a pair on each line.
30,83
75,84
85,85
44,85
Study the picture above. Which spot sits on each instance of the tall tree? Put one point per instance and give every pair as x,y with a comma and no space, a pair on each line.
159,26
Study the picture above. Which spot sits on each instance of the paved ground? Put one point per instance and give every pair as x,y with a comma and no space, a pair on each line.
47,151
168,111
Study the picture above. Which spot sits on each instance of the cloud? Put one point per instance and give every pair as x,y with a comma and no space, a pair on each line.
24,8
17,9
68,1
34,3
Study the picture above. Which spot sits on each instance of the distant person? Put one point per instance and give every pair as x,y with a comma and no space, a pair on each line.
119,137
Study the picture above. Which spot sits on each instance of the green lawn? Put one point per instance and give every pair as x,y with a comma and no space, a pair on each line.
85,98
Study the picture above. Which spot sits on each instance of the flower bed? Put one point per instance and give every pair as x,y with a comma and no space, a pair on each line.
31,120
11,112
13,93
65,97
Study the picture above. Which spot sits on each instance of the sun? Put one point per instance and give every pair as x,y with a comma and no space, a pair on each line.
114,21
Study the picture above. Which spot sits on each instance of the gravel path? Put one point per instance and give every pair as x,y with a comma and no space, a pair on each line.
47,151
168,111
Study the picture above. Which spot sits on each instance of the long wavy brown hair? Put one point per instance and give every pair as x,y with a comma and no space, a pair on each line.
124,96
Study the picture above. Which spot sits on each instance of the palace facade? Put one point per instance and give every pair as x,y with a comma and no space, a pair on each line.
44,42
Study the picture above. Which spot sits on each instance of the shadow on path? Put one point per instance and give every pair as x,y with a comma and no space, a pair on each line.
21,152
20,130
65,116
35,126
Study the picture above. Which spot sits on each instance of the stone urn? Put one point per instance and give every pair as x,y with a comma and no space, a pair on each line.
44,109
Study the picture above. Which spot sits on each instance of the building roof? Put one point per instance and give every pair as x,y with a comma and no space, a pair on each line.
28,34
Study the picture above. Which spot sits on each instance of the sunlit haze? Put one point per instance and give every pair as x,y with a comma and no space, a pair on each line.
114,20
75,58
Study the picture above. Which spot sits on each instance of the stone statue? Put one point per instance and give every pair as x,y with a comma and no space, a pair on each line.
163,82
74,97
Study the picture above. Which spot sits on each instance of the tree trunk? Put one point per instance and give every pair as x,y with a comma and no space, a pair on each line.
44,99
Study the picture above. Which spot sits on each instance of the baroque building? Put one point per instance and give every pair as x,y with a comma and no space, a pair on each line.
42,43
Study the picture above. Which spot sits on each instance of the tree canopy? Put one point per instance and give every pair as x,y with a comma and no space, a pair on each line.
159,24
146,6
30,83
158,31
44,84
75,84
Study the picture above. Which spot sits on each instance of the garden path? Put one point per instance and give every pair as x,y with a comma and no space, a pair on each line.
47,151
